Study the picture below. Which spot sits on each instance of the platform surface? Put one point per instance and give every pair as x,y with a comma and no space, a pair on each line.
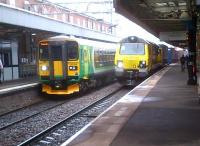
18,84
162,111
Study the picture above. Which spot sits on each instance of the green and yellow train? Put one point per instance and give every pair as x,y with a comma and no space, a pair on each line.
136,58
68,65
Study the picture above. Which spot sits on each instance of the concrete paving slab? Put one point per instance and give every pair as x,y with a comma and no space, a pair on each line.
168,116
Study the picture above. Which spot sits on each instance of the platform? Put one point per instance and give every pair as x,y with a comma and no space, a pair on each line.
15,85
161,111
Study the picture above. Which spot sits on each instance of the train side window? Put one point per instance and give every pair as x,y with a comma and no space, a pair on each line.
97,57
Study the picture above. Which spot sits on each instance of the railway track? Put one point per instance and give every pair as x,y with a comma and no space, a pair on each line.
33,126
19,100
19,115
19,126
28,111
58,133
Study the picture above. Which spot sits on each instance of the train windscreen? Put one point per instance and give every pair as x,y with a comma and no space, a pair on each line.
72,50
132,49
43,53
56,52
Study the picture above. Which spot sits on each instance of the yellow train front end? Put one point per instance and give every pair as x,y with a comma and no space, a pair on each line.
132,60
58,73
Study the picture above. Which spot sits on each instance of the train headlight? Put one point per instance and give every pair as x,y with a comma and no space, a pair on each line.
73,68
44,68
142,64
120,64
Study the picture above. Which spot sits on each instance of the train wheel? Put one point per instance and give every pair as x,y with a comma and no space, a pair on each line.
83,86
99,83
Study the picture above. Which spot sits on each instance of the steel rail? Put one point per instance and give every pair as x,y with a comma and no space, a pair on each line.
30,140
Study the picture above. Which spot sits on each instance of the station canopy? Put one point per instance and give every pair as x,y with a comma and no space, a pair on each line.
158,15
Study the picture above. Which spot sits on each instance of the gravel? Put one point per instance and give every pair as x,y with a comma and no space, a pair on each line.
22,131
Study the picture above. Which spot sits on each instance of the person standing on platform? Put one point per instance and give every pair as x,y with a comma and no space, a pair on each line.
186,60
1,69
182,60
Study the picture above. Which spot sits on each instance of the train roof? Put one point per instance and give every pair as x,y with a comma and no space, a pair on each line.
82,41
59,38
133,39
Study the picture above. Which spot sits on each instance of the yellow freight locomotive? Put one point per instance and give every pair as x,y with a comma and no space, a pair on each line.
69,65
136,58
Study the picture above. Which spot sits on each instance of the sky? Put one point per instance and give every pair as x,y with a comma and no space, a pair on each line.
123,25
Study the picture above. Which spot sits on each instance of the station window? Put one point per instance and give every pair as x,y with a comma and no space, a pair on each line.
71,19
98,27
84,23
78,21
90,24
64,17
6,58
103,28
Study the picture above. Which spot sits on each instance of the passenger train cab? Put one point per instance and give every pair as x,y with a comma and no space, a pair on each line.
70,65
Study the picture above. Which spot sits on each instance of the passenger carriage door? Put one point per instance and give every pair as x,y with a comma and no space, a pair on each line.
86,58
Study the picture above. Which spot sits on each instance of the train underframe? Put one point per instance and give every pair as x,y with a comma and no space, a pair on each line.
59,87
130,76
63,87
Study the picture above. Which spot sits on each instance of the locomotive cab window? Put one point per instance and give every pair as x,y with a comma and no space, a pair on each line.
72,50
132,49
56,52
43,54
